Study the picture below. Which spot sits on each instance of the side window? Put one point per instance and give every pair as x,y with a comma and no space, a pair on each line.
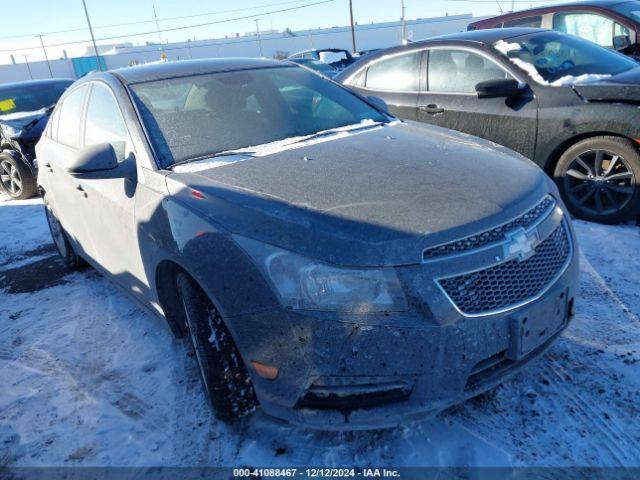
459,71
52,125
104,123
398,74
526,22
590,26
68,131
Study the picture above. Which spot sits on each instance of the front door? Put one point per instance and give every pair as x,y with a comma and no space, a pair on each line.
450,100
109,201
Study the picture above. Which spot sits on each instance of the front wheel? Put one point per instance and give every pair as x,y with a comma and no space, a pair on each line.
598,179
224,376
70,258
15,178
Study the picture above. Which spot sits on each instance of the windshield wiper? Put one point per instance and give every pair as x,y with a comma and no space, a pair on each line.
228,153
334,131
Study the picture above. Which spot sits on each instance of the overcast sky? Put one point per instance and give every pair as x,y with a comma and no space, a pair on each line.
50,17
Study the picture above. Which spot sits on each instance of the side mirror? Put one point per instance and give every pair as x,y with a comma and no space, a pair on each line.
379,103
501,87
621,42
93,158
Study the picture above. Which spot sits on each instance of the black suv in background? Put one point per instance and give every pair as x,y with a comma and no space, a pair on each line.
566,103
24,110
609,23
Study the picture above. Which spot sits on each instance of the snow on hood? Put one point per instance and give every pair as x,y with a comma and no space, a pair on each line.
19,115
568,80
265,149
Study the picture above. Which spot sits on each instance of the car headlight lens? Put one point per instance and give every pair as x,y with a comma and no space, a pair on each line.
306,284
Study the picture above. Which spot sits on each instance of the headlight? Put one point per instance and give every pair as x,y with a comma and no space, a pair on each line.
305,284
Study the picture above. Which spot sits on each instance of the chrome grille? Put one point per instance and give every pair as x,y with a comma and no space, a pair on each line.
511,283
530,217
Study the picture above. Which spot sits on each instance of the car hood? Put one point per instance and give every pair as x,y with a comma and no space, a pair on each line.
624,87
26,123
378,197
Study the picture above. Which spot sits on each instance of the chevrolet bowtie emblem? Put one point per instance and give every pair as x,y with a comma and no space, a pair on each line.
520,244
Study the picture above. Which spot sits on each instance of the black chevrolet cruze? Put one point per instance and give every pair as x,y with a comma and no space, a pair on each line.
568,104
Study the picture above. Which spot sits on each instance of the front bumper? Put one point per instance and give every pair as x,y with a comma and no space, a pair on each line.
340,371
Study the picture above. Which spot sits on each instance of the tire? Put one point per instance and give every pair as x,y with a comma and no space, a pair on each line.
60,238
16,177
224,376
599,179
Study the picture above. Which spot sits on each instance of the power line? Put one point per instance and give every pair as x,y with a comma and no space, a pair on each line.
166,19
184,27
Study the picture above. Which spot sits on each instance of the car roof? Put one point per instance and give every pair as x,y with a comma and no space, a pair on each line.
180,68
550,8
35,83
477,37
488,36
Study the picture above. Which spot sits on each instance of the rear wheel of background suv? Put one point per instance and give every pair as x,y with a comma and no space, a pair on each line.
16,179
224,376
599,179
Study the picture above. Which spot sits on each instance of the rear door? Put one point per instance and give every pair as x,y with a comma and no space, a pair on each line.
61,141
395,79
450,100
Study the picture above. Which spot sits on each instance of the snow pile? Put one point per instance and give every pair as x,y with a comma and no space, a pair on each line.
265,149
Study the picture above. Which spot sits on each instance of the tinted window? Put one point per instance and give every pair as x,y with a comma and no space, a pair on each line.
589,26
52,125
531,22
459,71
14,99
555,56
398,74
226,111
70,117
104,123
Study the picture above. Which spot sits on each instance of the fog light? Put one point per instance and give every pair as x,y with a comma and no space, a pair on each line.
265,371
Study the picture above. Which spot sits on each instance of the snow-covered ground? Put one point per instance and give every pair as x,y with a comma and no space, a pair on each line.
89,378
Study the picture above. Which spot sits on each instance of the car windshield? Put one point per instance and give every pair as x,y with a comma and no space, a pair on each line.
557,56
28,98
197,116
630,10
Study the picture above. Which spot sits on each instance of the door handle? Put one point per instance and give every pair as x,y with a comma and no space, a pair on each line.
48,167
432,109
81,190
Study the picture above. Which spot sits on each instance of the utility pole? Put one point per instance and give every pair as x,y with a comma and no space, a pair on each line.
159,32
353,28
404,24
257,20
93,39
28,67
44,50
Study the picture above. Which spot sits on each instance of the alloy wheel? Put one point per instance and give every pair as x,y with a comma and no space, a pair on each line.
10,178
599,182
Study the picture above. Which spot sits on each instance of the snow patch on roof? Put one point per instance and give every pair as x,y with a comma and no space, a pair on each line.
505,47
